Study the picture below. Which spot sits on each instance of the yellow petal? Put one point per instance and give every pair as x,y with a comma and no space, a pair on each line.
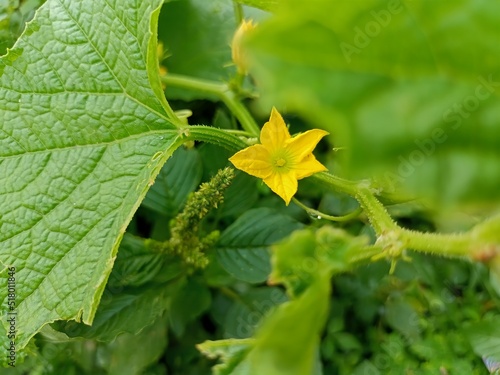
304,143
308,166
283,184
274,133
253,160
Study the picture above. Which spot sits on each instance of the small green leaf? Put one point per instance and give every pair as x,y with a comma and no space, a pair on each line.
306,255
485,338
125,357
121,310
401,316
179,177
243,247
136,265
231,352
240,196
245,314
188,302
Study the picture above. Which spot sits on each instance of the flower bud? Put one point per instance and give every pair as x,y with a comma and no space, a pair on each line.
238,54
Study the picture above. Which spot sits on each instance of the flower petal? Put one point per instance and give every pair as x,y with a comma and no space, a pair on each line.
283,184
253,160
308,166
304,143
274,133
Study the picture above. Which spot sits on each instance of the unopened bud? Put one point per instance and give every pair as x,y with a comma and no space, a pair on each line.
238,54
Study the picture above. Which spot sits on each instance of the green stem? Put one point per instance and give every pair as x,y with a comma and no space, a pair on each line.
221,91
214,135
376,212
335,183
458,245
322,215
238,12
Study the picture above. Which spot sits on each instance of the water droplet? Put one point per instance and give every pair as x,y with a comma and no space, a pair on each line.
161,137
314,216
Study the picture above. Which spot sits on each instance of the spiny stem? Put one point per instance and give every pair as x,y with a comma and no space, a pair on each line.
460,244
376,212
214,135
390,234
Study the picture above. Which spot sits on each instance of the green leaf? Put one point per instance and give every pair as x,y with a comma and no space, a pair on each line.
188,302
125,357
231,352
274,352
305,255
84,133
179,177
401,316
485,338
128,310
246,312
281,346
242,249
240,196
261,4
405,88
136,265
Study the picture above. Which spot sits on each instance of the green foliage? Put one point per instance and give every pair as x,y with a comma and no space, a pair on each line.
242,249
134,255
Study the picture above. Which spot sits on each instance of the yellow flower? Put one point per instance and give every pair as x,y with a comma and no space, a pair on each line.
281,160
237,52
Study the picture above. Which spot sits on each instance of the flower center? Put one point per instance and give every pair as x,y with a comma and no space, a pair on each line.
280,162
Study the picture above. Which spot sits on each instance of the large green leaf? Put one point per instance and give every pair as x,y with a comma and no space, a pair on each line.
410,89
83,134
